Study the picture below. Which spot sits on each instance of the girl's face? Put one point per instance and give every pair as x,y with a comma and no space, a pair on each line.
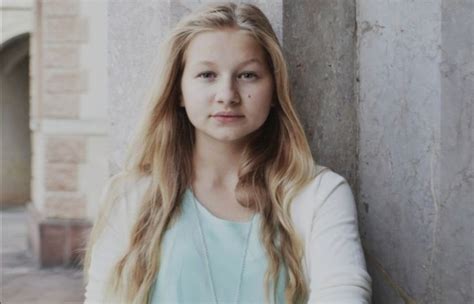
227,87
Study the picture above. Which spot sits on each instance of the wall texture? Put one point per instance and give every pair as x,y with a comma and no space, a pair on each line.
318,39
67,123
399,119
135,32
415,148
452,273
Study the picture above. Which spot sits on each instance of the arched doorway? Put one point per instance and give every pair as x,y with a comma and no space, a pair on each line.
14,128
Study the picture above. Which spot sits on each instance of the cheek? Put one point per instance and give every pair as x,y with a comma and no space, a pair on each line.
259,105
260,97
190,90
193,109
194,97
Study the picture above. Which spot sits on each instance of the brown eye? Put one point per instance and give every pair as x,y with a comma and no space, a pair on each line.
206,75
248,75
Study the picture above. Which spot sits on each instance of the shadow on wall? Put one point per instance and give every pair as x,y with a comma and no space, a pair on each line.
16,144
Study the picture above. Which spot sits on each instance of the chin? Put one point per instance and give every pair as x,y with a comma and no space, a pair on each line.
234,138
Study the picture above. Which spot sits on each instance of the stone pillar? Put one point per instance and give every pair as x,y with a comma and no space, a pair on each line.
416,148
319,44
385,91
452,251
69,126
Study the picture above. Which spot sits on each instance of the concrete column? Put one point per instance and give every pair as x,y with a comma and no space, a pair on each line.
452,252
416,142
319,41
69,126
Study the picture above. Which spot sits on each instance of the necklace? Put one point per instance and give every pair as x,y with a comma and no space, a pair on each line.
242,267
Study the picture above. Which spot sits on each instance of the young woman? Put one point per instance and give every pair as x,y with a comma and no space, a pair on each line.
220,200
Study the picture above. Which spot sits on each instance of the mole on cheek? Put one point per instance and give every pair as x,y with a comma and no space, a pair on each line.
250,96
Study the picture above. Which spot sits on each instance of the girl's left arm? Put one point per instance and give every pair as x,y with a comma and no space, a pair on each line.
337,265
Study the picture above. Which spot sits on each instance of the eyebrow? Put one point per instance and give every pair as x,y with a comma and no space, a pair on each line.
252,60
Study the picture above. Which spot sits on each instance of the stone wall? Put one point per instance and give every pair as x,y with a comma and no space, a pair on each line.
452,252
69,125
318,40
415,161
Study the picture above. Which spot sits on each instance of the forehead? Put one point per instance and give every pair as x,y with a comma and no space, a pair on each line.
223,46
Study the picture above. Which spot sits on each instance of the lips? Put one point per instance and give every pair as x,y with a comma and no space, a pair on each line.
227,114
227,117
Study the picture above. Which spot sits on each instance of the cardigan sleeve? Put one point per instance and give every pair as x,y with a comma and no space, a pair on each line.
337,265
108,247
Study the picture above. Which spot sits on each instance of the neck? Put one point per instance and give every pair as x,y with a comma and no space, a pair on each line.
216,165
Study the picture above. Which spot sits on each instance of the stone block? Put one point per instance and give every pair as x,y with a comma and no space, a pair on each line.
65,29
61,56
60,8
61,106
33,239
53,239
73,81
66,149
57,242
78,235
61,177
65,205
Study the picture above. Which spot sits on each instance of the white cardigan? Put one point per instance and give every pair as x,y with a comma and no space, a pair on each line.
324,215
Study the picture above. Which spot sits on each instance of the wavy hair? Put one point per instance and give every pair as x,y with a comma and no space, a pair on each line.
276,163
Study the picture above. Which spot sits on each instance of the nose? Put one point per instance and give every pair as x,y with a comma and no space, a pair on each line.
227,92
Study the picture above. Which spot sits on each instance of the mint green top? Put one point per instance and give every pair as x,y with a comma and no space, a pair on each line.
183,276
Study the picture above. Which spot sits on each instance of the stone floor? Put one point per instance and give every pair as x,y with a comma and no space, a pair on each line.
21,281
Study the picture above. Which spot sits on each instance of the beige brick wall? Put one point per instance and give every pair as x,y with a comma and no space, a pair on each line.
61,56
66,149
63,197
60,8
61,177
69,205
70,81
65,29
61,106
60,80
68,120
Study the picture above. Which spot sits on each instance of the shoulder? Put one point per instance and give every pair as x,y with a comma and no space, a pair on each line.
314,197
122,194
125,183
322,185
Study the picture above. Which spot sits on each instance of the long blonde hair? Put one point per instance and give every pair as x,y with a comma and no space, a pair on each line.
277,163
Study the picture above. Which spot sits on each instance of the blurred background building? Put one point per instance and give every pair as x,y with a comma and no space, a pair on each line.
54,131
385,91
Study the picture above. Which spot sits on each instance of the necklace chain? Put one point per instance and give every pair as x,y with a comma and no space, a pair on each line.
208,266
